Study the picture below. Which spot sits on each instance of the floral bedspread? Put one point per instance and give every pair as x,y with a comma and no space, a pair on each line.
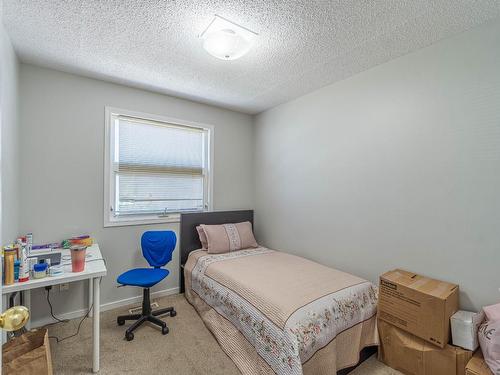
307,330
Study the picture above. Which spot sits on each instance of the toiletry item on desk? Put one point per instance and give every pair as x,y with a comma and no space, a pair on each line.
31,262
56,270
46,248
12,246
40,270
17,264
24,270
9,259
29,243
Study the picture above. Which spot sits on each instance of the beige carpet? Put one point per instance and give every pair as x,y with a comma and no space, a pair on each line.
189,348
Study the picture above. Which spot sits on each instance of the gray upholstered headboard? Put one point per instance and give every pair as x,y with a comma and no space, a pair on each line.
189,239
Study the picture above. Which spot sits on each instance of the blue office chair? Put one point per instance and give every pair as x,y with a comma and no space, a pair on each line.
157,248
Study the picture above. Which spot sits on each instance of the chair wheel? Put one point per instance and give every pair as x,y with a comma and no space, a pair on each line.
120,322
164,330
129,336
173,313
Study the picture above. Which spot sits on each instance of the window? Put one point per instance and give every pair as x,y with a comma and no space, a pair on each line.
155,168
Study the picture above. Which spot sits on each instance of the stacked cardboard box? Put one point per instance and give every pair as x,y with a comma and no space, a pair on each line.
414,325
412,355
477,365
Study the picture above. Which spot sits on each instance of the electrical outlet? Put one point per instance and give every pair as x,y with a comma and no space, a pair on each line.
63,287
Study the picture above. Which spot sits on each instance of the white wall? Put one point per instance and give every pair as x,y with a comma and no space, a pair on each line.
9,138
62,146
398,166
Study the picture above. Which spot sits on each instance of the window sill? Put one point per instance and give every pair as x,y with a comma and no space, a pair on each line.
123,222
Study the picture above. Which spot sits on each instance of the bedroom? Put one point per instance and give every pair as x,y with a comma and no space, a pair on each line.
364,136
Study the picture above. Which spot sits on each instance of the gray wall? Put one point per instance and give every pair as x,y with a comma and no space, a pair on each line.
395,167
9,138
62,144
398,166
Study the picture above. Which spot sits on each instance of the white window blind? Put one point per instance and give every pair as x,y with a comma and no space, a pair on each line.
157,168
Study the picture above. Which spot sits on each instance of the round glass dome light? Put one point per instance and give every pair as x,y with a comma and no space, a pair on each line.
226,44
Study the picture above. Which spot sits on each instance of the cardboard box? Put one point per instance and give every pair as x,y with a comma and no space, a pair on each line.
464,327
418,304
477,365
414,356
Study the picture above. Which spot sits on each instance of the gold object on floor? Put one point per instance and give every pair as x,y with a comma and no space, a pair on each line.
14,318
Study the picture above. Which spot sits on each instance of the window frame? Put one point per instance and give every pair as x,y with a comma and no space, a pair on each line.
109,189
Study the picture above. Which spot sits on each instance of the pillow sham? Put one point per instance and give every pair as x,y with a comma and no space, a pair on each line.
203,237
229,237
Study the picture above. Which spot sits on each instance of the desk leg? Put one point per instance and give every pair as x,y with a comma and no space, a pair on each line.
27,303
91,297
5,306
96,323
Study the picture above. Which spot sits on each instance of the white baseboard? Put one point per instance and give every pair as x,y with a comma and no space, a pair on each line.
138,299
104,307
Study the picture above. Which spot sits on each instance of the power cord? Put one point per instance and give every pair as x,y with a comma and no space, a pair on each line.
48,289
58,340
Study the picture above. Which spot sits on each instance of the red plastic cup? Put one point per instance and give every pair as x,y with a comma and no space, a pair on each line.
78,253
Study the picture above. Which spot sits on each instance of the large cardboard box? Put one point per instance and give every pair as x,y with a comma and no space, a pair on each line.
414,356
418,304
477,365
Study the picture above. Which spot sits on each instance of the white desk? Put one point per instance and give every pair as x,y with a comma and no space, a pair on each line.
95,268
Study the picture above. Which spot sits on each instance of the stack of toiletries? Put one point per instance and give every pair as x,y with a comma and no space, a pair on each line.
22,261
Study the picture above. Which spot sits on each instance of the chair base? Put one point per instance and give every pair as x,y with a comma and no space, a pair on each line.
147,315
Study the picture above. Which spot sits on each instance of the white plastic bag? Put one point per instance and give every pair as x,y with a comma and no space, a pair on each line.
489,339
492,312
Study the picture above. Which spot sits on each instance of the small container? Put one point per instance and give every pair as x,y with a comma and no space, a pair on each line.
9,255
56,270
78,253
17,264
40,270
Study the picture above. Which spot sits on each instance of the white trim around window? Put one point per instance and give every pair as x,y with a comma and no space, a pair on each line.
110,219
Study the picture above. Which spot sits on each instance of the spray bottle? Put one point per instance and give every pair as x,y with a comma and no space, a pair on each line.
24,269
29,243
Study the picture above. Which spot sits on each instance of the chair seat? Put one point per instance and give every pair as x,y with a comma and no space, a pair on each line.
143,277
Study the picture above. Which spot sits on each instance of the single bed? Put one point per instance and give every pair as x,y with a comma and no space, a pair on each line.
276,313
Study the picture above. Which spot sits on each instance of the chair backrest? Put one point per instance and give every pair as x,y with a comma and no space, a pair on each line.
158,246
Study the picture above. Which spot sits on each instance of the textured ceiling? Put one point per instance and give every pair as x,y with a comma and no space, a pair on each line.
303,45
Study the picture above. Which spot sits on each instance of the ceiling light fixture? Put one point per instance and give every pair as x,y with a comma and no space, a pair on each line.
227,40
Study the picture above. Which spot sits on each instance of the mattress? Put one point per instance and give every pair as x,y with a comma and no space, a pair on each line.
276,313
